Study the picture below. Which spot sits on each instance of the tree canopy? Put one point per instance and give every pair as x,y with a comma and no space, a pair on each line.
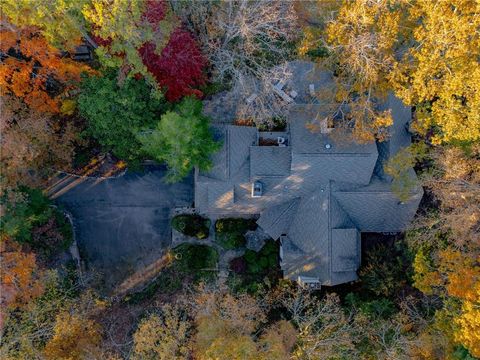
116,113
182,139
34,71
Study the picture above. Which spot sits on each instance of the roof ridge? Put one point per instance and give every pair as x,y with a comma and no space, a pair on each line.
334,154
227,152
292,203
329,230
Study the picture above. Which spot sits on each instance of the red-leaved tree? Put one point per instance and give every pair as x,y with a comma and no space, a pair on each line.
179,68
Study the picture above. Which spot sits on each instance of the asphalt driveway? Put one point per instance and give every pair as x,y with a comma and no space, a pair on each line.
122,224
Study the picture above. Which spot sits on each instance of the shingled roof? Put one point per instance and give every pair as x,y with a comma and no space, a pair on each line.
319,193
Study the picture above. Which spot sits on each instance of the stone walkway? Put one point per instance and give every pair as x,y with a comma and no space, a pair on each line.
224,255
255,240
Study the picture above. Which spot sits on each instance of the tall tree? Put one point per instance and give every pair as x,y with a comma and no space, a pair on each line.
123,27
182,139
361,44
225,326
447,244
244,42
178,68
163,335
20,279
34,145
440,73
60,21
34,71
75,336
116,113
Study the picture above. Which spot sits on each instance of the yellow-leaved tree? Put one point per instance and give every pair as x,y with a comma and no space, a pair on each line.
440,72
447,263
359,45
60,21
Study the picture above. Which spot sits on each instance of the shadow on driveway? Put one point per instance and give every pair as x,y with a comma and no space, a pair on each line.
122,225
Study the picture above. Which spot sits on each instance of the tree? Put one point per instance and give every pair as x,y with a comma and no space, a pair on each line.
74,337
244,42
225,325
34,145
35,72
241,38
30,219
440,73
123,27
182,139
20,277
399,167
116,113
446,241
163,335
323,329
361,44
178,68
60,21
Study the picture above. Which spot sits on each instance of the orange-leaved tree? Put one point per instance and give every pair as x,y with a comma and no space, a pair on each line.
34,71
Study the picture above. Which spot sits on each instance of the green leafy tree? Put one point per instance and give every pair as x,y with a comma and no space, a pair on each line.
115,114
29,218
182,139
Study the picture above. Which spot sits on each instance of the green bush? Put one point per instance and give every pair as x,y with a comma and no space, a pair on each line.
374,309
192,225
267,258
230,232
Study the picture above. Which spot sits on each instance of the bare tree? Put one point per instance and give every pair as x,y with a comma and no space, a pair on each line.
324,329
245,41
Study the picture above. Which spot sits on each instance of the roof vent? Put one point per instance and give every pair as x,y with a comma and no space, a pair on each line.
328,146
257,189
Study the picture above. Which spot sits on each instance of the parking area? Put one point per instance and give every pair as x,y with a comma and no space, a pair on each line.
122,224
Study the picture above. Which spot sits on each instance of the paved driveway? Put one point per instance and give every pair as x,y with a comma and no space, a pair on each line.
123,224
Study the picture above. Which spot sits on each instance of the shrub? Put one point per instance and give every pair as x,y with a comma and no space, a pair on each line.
192,225
374,309
230,232
238,265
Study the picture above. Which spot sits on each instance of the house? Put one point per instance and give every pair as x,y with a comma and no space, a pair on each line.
312,192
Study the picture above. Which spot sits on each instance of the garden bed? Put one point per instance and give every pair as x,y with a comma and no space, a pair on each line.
253,270
192,225
230,232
